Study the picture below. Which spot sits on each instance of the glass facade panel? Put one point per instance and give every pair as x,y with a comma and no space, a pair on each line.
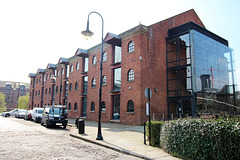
85,65
213,72
201,70
117,54
85,84
84,107
117,79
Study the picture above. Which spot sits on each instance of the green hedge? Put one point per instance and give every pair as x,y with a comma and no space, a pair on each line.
202,139
155,132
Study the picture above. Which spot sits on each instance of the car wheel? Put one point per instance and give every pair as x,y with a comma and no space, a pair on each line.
41,123
47,124
64,126
7,115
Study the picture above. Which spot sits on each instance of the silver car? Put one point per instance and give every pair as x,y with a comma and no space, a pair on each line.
10,113
21,113
37,114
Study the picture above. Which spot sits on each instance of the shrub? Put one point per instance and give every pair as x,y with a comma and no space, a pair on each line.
155,132
202,139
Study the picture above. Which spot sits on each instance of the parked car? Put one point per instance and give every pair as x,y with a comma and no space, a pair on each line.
28,115
37,114
11,113
55,115
20,113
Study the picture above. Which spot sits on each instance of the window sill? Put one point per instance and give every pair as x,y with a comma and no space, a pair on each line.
130,52
103,112
115,64
114,121
83,117
92,111
130,113
115,91
84,73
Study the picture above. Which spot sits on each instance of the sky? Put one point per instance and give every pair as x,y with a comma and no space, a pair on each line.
34,33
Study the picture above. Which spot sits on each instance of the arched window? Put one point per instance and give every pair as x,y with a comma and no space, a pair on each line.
76,86
75,107
130,106
103,106
131,47
94,60
130,75
70,86
77,66
71,68
104,81
93,82
69,106
92,106
104,56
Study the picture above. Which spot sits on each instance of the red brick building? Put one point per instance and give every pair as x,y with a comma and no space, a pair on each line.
132,61
12,91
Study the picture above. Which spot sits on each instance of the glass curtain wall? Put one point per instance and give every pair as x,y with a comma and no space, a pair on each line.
214,73
200,75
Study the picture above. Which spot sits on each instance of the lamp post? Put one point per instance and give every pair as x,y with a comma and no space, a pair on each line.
87,34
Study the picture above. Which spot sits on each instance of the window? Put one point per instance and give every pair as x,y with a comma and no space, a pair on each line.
62,71
75,107
69,106
39,92
40,79
57,89
46,91
84,107
130,106
117,79
85,84
67,74
76,86
49,91
93,82
94,60
77,66
61,89
70,87
71,69
103,106
104,81
117,54
104,56
85,65
66,89
130,75
92,106
131,47
47,77
58,73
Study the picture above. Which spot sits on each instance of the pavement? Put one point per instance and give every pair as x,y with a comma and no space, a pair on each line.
123,138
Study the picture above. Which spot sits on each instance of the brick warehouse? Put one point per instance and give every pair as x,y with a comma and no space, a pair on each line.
162,56
12,92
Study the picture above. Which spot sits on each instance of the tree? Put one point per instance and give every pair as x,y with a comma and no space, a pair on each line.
23,102
2,103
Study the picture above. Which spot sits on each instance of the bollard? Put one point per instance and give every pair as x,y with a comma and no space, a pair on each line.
144,132
81,126
76,122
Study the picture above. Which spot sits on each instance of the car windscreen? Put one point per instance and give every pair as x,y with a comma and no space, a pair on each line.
57,111
23,111
40,111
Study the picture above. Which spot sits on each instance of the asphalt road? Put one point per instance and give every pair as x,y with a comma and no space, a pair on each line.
20,139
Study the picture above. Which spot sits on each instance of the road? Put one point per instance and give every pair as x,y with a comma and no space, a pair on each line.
20,139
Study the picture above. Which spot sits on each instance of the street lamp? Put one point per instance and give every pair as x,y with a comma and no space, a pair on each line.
87,34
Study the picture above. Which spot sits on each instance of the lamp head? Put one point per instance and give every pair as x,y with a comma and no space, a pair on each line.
87,34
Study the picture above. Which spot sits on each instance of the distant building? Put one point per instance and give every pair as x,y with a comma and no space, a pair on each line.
178,58
12,91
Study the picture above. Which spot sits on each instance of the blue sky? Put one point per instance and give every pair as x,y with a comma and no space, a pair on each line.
34,33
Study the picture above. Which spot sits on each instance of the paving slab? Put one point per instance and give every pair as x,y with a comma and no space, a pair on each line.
120,137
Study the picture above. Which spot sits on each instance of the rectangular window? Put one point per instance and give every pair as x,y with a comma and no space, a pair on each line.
84,107
53,93
85,84
116,107
67,75
85,65
117,79
66,88
117,54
